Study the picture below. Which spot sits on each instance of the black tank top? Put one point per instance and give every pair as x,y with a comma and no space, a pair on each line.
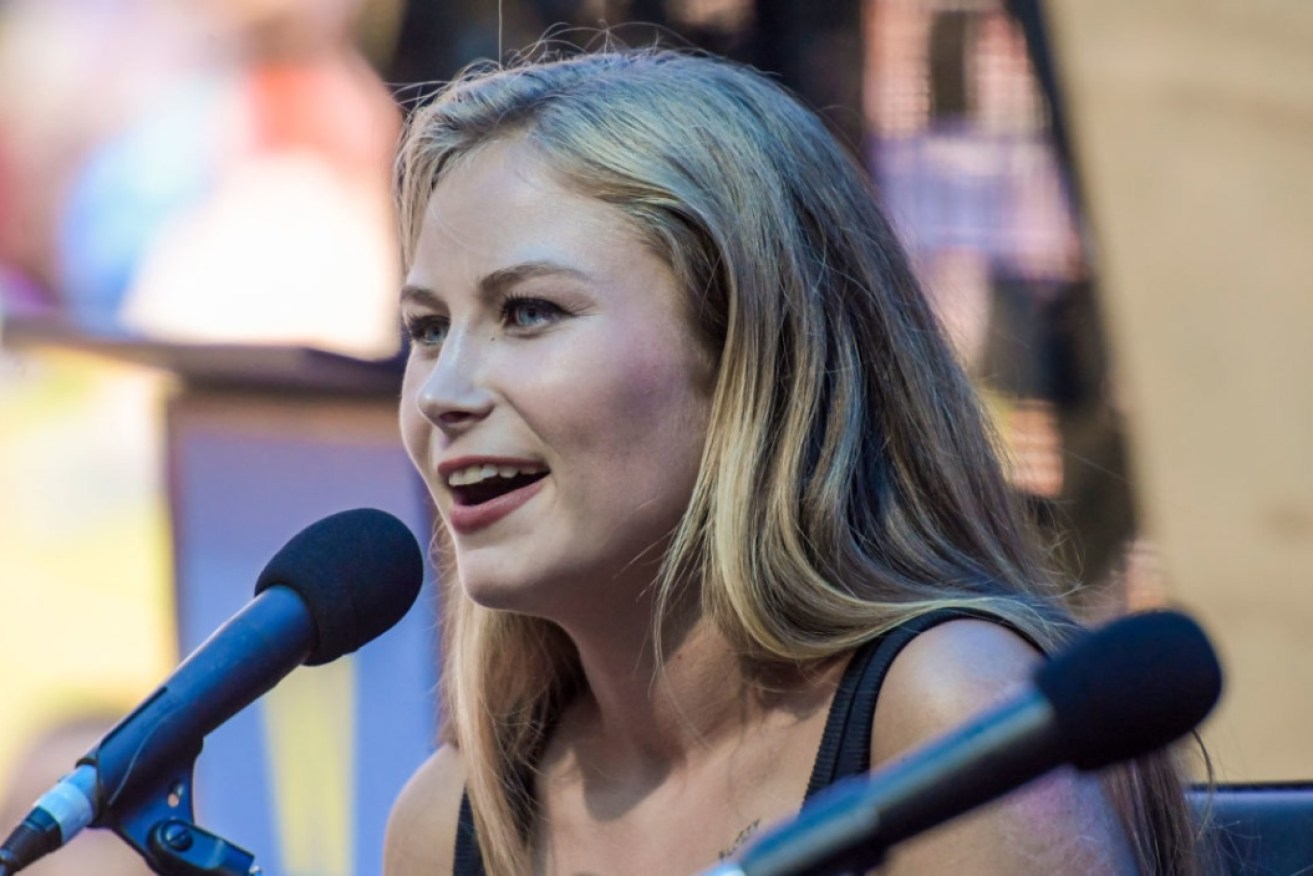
845,744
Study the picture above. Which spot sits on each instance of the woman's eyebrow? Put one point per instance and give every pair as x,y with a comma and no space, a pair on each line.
501,279
419,295
497,281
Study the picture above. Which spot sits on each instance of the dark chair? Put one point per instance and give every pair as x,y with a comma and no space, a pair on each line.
1260,829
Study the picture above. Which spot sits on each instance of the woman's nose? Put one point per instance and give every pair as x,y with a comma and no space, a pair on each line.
453,396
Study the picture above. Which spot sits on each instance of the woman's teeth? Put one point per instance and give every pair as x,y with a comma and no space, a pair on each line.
475,474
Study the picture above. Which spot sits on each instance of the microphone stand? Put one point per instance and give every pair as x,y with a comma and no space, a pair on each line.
159,823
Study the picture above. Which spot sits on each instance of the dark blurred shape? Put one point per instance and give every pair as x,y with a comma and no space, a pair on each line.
1029,16
1098,504
1021,345
815,48
950,34
426,47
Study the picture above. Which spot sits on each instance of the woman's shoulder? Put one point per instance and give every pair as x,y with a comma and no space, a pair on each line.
946,675
942,679
421,831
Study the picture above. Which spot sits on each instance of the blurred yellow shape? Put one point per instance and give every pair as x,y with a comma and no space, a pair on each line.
309,722
85,576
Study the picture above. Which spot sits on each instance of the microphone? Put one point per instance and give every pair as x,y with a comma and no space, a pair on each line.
335,586
1120,692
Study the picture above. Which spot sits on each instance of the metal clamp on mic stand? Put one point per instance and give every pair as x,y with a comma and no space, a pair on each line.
160,824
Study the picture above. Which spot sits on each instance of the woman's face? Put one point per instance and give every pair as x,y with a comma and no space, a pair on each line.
556,396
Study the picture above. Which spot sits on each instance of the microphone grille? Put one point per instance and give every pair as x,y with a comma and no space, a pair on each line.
1131,687
358,572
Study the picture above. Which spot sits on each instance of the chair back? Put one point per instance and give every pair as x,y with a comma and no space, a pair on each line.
1261,829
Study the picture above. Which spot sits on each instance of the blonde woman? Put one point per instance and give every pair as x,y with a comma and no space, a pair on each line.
723,517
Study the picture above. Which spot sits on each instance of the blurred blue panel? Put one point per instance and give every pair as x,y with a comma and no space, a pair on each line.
248,472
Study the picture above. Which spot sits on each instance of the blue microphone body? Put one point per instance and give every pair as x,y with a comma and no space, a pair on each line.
240,662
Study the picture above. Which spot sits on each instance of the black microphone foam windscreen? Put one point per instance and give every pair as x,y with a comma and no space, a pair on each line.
1134,686
357,571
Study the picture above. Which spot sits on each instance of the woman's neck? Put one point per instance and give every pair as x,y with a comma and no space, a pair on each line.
644,711
664,707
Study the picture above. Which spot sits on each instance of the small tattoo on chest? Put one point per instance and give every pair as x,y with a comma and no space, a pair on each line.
740,839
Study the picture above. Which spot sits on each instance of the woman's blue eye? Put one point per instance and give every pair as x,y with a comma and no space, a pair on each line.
529,312
427,331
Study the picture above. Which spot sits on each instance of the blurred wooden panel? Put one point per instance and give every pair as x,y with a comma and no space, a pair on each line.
1192,124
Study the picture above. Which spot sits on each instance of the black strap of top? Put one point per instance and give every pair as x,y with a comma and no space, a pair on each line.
846,743
468,859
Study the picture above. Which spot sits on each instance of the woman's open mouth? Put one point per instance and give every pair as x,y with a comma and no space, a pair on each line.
484,493
477,484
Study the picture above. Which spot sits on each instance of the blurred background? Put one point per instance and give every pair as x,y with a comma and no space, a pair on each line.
1109,209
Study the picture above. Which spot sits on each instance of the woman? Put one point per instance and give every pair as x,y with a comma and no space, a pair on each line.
701,454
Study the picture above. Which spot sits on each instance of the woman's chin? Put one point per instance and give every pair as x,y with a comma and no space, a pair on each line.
501,594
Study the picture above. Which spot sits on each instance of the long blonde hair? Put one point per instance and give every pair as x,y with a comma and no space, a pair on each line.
849,480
